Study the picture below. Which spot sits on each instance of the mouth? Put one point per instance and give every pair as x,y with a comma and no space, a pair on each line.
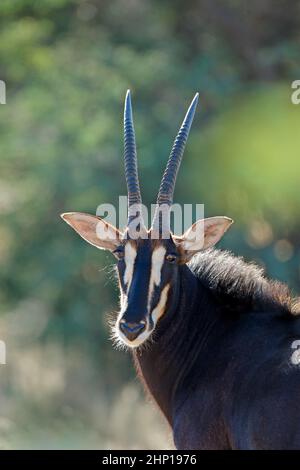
133,339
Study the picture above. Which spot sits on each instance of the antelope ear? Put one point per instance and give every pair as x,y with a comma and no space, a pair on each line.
203,234
94,230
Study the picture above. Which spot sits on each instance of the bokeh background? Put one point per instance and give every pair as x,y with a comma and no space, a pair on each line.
67,65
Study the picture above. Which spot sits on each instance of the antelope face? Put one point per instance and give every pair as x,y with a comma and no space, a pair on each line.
147,271
147,265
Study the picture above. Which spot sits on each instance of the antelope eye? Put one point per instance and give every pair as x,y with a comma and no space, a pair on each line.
119,253
171,258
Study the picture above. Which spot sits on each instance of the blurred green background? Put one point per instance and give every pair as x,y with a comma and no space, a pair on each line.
67,65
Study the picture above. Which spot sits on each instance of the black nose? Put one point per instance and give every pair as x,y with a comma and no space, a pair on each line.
132,329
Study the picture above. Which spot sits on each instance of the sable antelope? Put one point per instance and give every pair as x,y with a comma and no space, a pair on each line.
221,359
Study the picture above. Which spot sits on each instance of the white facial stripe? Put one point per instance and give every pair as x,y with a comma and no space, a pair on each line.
129,258
158,257
124,303
159,310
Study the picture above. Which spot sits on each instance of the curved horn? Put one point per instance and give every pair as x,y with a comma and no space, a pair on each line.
130,160
161,220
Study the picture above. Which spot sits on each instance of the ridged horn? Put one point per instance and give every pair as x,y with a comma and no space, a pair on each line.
161,219
130,160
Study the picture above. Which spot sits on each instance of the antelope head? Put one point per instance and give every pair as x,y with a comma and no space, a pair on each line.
148,260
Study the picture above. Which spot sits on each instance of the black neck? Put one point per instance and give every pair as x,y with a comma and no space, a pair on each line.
180,337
